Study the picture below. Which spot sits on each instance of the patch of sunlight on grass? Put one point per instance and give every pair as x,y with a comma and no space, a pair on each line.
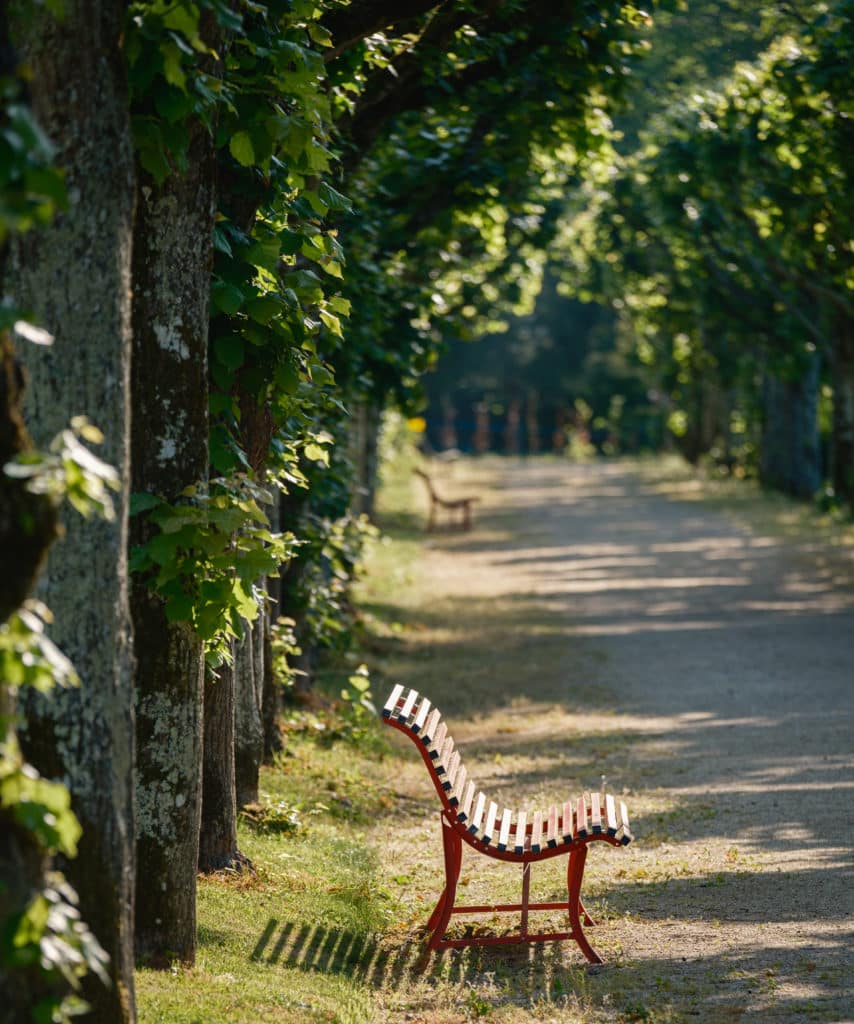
265,940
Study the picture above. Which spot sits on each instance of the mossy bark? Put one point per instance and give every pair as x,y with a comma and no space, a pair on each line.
75,276
218,838
248,720
172,267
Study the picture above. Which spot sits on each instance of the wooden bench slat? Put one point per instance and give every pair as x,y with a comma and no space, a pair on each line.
421,716
393,698
489,827
443,758
438,739
624,831
551,827
537,832
595,813
581,818
431,727
465,805
477,817
611,814
453,768
458,786
521,821
566,822
504,833
408,705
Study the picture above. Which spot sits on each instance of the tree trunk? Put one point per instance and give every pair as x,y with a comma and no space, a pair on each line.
172,269
706,415
789,457
76,276
271,701
842,441
218,837
248,723
363,437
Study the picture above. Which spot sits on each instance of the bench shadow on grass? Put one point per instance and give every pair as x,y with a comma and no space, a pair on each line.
716,987
379,964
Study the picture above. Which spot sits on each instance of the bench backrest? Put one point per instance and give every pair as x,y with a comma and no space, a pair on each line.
588,815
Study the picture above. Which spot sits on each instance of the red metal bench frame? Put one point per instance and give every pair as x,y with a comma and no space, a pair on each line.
400,712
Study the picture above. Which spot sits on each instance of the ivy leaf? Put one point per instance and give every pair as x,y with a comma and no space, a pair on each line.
141,502
332,323
179,608
183,18
315,453
286,377
264,308
153,159
241,148
334,199
172,70
227,298
229,351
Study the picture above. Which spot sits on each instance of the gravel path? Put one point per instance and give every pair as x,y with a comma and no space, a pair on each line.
718,676
738,651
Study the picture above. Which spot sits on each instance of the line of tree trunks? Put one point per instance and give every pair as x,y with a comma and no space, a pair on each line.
76,276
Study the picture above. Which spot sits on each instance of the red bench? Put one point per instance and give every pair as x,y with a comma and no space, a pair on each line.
469,816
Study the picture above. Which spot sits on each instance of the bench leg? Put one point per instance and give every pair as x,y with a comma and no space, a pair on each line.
575,872
526,892
438,920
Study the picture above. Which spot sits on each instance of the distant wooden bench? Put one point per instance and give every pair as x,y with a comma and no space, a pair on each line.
469,816
462,505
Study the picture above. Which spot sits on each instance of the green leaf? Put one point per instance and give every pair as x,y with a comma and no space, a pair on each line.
287,378
265,252
315,453
229,351
264,308
241,148
334,199
173,104
154,161
172,70
140,502
180,608
183,17
332,323
227,298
